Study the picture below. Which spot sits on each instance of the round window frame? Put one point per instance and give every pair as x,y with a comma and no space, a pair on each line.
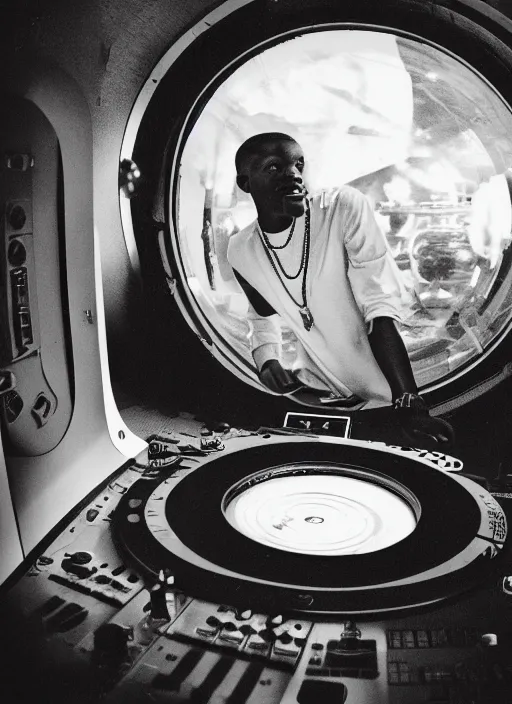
271,23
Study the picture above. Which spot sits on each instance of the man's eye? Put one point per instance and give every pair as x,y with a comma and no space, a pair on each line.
272,167
300,166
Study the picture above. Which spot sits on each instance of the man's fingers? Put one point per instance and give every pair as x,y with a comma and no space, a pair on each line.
438,437
279,380
290,383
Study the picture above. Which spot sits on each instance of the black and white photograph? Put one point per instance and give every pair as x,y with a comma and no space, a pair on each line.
256,351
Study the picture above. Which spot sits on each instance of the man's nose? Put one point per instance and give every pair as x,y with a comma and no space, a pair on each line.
293,172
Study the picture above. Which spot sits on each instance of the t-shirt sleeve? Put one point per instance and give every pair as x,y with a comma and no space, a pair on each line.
373,274
265,339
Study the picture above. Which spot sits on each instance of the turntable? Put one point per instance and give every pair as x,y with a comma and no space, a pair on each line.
306,568
321,526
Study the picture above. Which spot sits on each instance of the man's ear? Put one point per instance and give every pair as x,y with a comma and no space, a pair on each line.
242,181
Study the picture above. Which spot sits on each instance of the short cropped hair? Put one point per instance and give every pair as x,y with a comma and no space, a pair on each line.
251,147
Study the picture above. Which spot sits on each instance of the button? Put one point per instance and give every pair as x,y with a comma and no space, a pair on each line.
247,629
317,646
233,637
288,651
257,643
17,254
119,586
16,217
51,604
206,632
66,618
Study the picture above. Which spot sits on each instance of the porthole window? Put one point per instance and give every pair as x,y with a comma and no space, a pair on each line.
417,130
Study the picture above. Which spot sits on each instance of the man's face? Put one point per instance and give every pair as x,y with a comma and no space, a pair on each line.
273,177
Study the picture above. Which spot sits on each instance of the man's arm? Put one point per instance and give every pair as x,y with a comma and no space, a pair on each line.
379,291
260,304
270,371
391,355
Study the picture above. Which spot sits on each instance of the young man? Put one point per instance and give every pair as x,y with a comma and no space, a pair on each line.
325,269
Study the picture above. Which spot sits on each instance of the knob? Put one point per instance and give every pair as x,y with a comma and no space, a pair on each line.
267,635
247,630
221,427
230,626
17,217
276,620
285,638
111,643
489,639
81,557
213,621
507,585
17,254
77,564
350,630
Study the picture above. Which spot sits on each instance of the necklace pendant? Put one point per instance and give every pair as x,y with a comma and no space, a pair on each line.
307,317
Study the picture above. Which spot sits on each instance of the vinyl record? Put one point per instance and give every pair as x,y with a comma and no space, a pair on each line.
309,524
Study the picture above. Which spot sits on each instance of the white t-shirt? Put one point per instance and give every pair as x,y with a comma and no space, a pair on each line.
351,279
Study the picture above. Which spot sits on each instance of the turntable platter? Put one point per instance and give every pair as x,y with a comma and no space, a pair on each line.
320,514
313,525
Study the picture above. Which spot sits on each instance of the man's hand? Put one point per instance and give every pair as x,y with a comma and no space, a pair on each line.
422,429
428,432
278,379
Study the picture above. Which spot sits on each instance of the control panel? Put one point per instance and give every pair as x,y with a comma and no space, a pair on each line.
36,405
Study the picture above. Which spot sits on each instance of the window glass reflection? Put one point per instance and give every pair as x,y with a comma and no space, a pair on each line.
421,134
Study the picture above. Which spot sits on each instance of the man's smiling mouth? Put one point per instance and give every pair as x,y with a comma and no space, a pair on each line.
292,191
